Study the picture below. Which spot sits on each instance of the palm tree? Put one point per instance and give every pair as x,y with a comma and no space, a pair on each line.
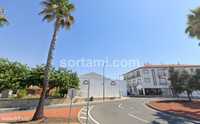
193,25
59,12
3,20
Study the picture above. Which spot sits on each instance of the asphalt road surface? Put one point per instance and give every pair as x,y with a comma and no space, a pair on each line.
132,111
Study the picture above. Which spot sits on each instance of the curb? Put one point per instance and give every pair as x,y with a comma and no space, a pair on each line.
172,113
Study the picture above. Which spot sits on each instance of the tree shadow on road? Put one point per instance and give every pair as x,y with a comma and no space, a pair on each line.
169,119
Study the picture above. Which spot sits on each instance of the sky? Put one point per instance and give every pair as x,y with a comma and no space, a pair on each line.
149,31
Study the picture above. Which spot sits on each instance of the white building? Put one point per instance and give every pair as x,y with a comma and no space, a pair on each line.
153,79
113,88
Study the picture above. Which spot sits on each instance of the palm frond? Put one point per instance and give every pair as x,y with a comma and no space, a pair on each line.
193,24
49,18
58,10
3,21
71,7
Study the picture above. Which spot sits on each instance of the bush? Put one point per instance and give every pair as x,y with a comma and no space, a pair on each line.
56,93
22,93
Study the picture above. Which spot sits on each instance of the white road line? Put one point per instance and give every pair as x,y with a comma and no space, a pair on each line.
90,116
84,110
83,118
138,118
120,106
84,113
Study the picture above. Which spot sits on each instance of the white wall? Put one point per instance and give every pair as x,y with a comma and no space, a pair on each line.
96,86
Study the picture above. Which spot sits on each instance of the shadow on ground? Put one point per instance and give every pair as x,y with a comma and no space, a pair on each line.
169,119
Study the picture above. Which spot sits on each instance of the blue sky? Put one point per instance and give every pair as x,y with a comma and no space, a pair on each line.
150,31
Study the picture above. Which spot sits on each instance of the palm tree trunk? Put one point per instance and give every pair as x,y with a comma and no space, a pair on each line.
39,113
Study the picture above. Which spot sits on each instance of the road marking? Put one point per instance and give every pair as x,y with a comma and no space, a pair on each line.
90,116
138,118
84,113
120,106
83,118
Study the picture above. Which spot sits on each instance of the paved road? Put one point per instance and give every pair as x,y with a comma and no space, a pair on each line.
132,111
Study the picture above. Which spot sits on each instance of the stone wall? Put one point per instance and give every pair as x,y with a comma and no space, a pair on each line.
29,103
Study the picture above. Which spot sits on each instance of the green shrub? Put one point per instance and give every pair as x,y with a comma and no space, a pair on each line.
22,93
56,93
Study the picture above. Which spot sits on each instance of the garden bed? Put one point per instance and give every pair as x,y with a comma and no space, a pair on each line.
179,107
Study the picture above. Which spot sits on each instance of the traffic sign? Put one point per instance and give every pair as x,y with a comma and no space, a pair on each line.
72,93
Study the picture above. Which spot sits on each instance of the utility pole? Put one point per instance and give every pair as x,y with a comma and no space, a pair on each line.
104,81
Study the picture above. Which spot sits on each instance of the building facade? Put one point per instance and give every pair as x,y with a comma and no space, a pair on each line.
113,88
153,79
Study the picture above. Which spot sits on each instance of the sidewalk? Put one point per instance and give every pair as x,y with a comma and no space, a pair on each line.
54,115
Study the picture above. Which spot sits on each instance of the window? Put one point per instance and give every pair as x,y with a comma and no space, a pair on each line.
192,70
138,73
162,72
134,81
147,80
146,72
139,81
154,78
163,81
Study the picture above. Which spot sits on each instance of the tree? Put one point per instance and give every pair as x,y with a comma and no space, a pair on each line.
173,77
61,78
182,81
59,12
66,81
195,82
193,24
35,77
12,74
185,84
3,19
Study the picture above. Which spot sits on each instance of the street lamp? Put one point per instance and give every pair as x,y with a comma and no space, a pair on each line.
87,82
104,81
113,84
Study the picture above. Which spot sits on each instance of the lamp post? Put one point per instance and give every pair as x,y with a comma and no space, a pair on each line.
87,82
113,84
104,81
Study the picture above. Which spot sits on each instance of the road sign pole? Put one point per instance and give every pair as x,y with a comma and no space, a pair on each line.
70,109
71,94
